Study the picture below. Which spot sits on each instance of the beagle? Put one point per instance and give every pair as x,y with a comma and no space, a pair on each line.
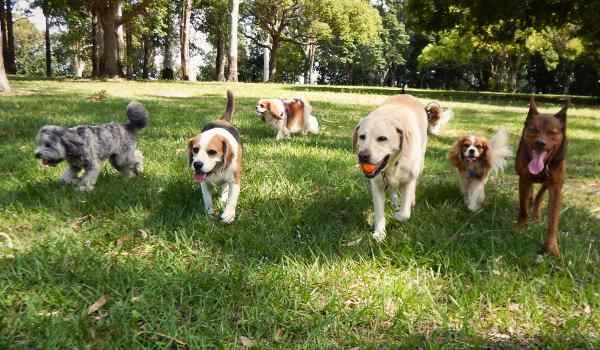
215,156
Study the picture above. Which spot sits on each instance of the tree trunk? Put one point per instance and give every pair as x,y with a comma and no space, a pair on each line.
147,43
3,36
48,44
110,59
273,60
310,55
266,60
220,62
94,53
3,79
129,50
120,40
167,71
184,35
233,41
11,65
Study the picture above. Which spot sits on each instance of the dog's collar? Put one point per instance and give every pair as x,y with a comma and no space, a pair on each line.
471,173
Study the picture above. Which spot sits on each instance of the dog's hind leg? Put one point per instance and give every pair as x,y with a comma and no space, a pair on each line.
225,193
536,208
70,175
138,163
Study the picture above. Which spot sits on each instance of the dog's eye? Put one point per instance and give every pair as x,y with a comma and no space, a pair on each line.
195,149
362,137
211,152
262,106
532,130
382,139
47,144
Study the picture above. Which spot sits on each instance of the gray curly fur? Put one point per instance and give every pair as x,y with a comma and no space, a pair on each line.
86,147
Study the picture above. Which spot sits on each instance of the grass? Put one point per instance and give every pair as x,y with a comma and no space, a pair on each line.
290,271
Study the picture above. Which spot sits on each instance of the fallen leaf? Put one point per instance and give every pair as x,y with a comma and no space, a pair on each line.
587,310
246,342
97,305
8,243
143,234
514,307
353,243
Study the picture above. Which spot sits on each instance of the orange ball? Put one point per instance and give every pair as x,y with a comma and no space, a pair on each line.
368,168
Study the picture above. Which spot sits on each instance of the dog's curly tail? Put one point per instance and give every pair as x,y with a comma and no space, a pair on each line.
137,115
230,107
499,150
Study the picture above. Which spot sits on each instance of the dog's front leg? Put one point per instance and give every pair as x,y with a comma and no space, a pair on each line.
229,212
475,195
551,244
88,180
70,175
206,198
378,192
524,201
408,200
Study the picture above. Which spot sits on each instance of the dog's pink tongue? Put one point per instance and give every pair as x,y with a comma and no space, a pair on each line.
199,177
536,165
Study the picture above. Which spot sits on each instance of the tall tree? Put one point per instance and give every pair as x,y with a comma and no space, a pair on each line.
4,38
212,18
184,37
11,64
233,41
4,86
46,11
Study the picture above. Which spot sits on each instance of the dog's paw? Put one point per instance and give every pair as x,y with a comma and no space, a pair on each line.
86,188
379,235
552,249
228,216
209,211
520,225
474,206
402,215
65,180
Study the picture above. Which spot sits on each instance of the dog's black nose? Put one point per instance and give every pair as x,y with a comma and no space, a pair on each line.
363,157
471,152
38,155
198,165
540,143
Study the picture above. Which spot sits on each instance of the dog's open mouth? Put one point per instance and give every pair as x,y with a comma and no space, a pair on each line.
471,159
371,170
537,163
200,176
49,162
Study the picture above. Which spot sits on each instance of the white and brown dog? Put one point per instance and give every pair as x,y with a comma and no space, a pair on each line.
437,117
391,143
288,116
215,155
474,158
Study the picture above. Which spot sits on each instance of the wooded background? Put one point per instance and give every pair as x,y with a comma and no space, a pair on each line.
511,45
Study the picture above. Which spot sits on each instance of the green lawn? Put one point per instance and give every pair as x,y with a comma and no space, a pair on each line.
290,272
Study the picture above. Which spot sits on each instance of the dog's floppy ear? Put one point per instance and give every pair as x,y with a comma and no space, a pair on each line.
532,108
455,154
275,112
189,150
404,141
355,137
227,154
72,141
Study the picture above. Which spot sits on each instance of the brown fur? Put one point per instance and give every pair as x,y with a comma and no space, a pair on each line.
481,167
551,130
295,113
434,113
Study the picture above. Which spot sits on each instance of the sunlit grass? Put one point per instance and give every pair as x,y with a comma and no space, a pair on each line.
297,269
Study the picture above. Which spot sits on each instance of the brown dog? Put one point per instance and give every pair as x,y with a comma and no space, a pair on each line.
541,159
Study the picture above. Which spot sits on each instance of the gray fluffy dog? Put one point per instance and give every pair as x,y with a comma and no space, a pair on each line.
85,147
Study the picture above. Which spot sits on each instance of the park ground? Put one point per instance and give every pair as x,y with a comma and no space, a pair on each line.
137,262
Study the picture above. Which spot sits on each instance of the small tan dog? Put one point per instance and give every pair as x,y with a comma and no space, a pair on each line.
391,143
474,158
288,116
215,155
